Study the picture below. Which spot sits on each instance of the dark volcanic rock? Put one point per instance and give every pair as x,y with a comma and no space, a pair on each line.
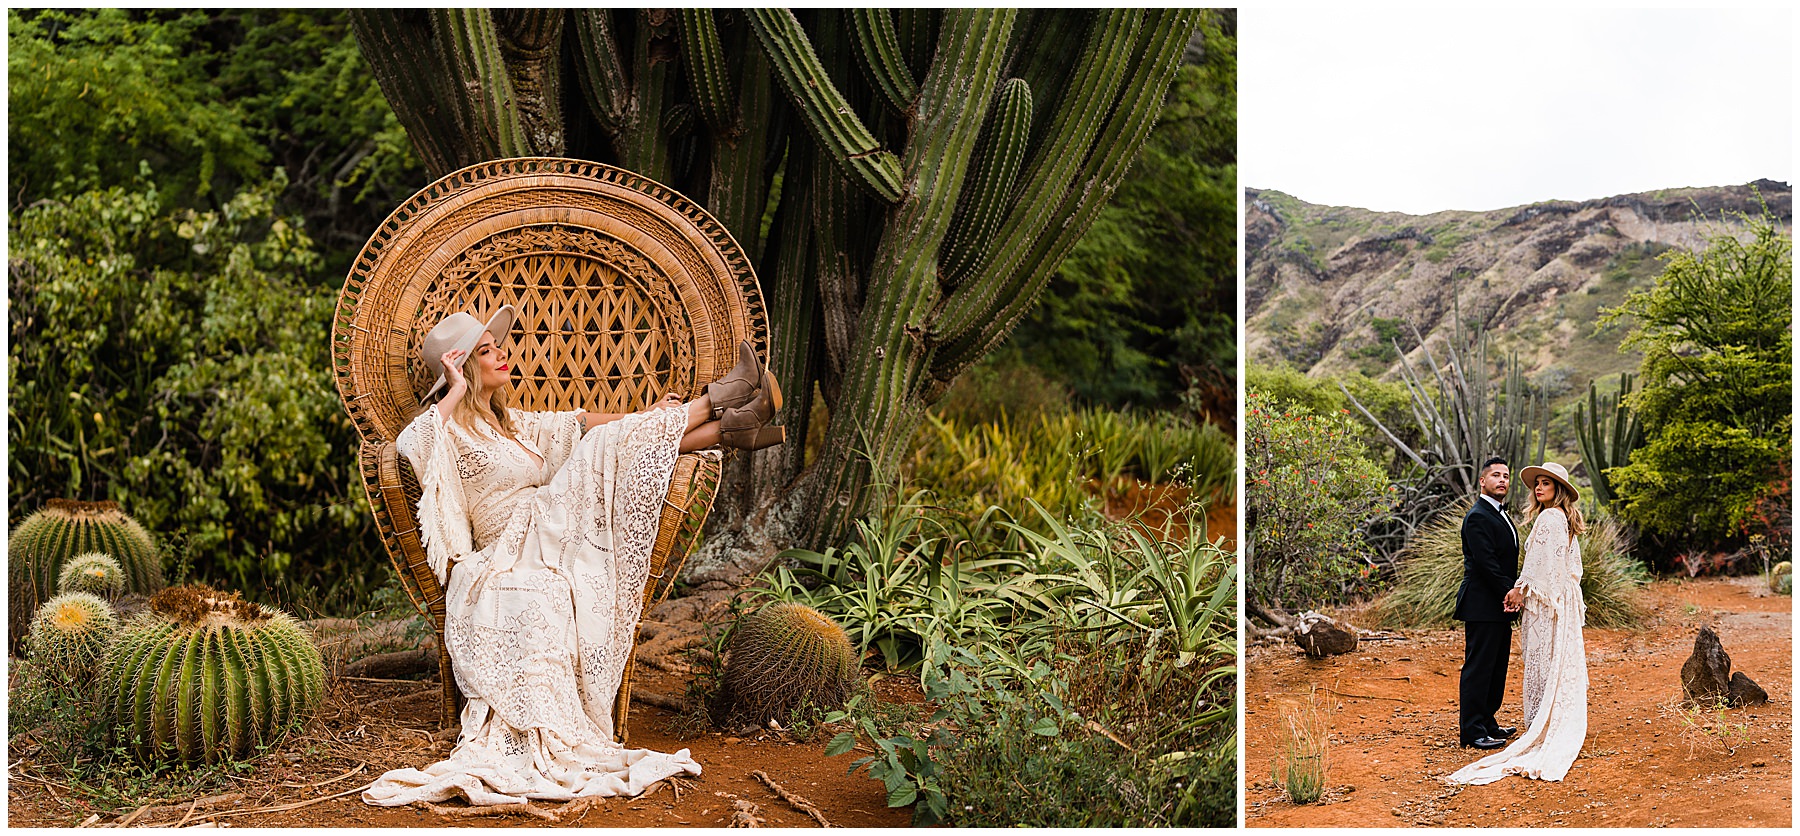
1706,676
1320,636
1745,691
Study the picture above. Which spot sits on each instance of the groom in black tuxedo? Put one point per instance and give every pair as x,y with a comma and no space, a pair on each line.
1490,566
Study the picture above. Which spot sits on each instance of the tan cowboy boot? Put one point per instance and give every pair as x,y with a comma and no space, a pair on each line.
739,385
747,427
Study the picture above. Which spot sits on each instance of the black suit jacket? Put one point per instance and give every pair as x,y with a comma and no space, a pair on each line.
1490,564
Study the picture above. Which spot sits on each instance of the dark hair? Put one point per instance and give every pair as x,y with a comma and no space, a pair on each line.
1492,460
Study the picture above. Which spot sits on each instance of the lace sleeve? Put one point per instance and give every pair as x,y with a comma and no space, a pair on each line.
443,512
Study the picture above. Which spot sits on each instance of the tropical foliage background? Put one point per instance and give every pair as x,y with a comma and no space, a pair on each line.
188,188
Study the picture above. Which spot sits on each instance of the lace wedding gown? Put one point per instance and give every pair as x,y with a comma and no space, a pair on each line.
542,608
1556,680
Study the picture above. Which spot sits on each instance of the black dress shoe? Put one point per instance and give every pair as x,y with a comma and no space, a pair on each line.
1484,743
1504,732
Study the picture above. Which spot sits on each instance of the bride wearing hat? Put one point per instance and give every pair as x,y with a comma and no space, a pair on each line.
548,520
1556,680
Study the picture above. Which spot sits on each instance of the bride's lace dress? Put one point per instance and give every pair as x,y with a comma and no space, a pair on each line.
1556,680
550,559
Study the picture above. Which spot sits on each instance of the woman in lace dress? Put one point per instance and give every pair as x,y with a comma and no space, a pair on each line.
540,526
1556,680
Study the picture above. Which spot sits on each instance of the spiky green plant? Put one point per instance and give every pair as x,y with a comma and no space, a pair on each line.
93,573
64,529
1781,578
1431,570
1606,430
69,634
205,675
785,654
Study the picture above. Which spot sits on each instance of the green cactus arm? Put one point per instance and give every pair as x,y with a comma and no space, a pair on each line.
828,116
474,49
916,33
531,48
971,325
1053,166
878,52
599,70
998,155
739,192
707,80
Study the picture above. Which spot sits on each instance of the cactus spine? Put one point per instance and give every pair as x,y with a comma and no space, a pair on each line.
63,530
1606,431
69,634
878,47
203,675
785,654
93,573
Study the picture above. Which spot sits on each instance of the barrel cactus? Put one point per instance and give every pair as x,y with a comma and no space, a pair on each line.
1781,578
93,573
785,654
204,675
63,530
69,634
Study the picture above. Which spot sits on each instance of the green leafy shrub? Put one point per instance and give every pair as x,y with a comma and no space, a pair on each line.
1716,399
204,675
46,541
1312,490
786,654
1431,571
157,375
93,573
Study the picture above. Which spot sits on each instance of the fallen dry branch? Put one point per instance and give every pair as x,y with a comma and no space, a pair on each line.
360,766
489,811
395,665
281,808
655,700
1361,696
154,809
745,814
795,800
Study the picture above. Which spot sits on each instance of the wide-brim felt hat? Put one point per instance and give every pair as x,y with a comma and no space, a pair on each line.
460,332
1528,476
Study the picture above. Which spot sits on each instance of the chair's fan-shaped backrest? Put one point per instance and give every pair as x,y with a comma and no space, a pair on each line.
624,290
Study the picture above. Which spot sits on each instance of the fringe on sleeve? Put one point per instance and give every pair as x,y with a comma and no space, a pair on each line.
443,514
1548,555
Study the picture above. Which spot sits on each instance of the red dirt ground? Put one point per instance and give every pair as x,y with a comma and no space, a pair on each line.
396,733
1392,709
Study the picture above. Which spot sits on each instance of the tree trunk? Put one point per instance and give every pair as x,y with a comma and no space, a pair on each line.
906,182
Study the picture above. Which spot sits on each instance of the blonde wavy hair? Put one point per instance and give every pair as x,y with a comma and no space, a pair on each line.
1564,500
479,404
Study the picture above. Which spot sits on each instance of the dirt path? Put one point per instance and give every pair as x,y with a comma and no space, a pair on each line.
371,727
1641,765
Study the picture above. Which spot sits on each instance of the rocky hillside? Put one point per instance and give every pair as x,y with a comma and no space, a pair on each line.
1327,288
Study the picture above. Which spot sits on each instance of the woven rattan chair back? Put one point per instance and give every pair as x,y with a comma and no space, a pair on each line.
624,290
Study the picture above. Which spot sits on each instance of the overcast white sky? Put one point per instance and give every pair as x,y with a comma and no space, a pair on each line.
1420,111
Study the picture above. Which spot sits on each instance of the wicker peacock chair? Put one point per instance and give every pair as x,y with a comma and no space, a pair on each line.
624,289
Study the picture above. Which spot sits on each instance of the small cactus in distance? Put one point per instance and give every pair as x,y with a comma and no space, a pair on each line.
69,633
205,675
93,573
786,654
39,547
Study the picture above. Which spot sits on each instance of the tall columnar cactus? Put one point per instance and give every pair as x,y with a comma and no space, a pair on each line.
1606,431
93,573
68,635
40,546
1463,416
785,654
934,168
203,675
